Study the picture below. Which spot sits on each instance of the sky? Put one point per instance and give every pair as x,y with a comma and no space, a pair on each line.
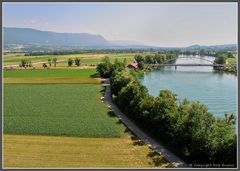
157,24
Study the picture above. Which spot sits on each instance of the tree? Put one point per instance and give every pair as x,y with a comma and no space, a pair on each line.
139,58
49,61
103,69
70,62
230,55
120,80
106,59
54,60
107,69
23,63
116,67
77,61
221,59
30,63
130,96
230,118
141,65
148,59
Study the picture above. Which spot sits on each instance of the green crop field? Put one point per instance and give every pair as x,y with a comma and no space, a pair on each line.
58,109
67,73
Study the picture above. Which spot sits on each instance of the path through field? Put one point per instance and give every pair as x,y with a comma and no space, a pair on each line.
139,133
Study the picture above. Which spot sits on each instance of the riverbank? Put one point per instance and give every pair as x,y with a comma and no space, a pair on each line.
172,121
156,146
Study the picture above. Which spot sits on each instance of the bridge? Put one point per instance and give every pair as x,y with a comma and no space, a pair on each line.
182,64
210,63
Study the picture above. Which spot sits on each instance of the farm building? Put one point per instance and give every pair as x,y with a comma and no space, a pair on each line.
133,66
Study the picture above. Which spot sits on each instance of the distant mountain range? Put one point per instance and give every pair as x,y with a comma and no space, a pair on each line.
213,47
46,40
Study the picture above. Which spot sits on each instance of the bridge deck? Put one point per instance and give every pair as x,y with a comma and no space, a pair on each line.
159,65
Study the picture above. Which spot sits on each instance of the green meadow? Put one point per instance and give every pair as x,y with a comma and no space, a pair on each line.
67,73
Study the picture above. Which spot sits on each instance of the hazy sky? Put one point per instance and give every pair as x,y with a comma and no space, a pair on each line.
159,24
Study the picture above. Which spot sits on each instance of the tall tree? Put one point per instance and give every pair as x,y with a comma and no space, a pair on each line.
77,61
50,61
54,60
70,62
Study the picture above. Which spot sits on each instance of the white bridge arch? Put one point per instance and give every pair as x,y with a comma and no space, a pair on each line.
187,57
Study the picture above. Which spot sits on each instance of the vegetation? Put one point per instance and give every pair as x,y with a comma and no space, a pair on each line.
57,109
85,51
70,62
220,60
83,76
232,60
62,73
44,65
25,63
224,56
86,59
51,80
106,68
50,62
54,60
231,69
187,127
77,61
154,59
77,152
54,53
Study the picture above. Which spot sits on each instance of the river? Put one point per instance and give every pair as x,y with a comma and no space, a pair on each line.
215,89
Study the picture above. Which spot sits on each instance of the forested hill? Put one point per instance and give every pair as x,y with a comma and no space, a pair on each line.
46,40
31,36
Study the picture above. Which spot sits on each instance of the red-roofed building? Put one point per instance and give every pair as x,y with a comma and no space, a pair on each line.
133,66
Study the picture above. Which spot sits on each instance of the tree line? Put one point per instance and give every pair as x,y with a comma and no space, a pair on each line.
28,63
154,59
63,52
185,127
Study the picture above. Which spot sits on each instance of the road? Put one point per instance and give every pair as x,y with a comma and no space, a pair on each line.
176,161
16,65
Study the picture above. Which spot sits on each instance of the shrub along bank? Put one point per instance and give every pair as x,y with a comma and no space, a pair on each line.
186,127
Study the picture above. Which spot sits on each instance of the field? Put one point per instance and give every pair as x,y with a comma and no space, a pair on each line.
50,80
45,76
54,118
76,152
86,59
232,60
83,73
81,131
58,109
